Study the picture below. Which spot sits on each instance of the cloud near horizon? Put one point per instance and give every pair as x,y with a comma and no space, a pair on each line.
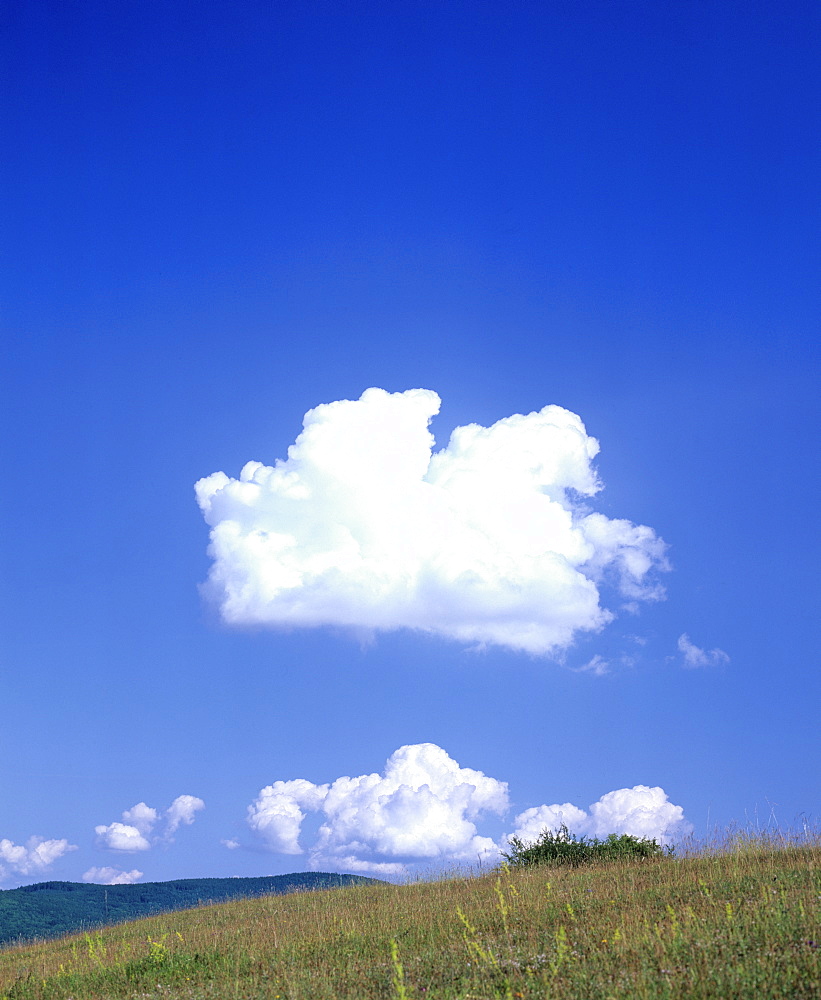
37,855
112,876
639,811
137,831
489,541
425,807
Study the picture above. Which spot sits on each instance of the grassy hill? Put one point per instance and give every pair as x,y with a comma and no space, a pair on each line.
739,923
49,909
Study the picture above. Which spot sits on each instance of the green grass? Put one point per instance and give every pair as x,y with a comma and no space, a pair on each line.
743,920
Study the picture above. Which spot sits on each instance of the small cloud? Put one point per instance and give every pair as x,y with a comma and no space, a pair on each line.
531,822
598,666
112,876
142,817
377,868
231,844
37,855
695,657
137,832
122,837
489,541
639,640
182,810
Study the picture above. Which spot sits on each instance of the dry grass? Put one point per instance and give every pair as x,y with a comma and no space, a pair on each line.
742,921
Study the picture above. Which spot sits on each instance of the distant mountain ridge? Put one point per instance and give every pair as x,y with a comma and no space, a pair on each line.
49,909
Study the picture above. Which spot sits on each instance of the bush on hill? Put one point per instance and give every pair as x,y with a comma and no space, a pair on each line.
565,848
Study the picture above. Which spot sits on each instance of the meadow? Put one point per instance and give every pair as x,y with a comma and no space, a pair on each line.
737,920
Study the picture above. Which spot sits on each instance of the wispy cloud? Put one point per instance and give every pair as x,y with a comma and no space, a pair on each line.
425,806
143,826
112,876
695,657
36,856
489,541
597,666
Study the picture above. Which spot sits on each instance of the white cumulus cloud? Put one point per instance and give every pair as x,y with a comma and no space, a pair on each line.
640,811
696,657
489,541
122,837
112,876
531,822
279,810
138,831
35,856
141,817
424,806
182,810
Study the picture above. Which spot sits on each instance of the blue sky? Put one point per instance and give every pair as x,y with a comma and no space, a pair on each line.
216,220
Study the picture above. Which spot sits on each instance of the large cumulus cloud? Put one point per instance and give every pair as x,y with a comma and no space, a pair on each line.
426,807
490,540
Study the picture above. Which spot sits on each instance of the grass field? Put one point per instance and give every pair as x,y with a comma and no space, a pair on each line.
740,921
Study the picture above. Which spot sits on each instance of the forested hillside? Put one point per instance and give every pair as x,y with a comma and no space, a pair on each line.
48,909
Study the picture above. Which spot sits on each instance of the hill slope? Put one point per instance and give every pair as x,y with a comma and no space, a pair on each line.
49,909
743,924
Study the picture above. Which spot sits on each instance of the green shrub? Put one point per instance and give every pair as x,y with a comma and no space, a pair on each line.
565,848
